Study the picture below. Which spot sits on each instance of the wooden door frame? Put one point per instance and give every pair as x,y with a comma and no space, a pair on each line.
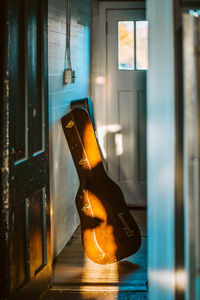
126,97
99,64
35,287
4,153
180,208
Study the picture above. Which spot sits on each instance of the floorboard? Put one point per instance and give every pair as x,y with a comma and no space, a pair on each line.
78,277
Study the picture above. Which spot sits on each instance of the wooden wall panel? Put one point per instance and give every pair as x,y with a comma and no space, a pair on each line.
25,85
33,80
17,82
29,249
36,228
126,162
19,251
141,126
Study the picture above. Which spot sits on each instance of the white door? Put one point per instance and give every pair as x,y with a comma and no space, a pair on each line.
127,63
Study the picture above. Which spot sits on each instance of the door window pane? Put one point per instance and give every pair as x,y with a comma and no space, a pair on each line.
126,45
142,45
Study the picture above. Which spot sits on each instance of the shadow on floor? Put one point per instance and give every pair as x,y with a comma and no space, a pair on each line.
77,277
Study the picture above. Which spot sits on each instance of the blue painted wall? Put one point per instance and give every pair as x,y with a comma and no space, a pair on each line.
63,178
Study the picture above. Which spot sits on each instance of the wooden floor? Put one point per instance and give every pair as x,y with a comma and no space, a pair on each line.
77,277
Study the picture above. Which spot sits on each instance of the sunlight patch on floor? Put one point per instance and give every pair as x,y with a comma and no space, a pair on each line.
102,274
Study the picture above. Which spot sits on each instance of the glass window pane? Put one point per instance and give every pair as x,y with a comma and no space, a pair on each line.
142,45
126,45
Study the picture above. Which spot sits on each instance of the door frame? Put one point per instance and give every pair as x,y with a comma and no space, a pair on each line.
41,281
132,85
191,153
99,63
4,153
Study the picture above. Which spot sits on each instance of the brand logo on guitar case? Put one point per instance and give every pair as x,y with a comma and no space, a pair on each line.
128,231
